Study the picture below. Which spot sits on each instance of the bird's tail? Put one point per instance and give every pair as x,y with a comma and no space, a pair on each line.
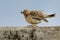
51,15
45,20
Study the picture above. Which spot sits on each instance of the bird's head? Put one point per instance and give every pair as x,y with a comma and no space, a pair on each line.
25,12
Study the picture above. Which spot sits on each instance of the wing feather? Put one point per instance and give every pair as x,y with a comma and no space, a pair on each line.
37,15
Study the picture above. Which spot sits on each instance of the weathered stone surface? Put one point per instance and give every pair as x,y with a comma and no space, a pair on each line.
30,33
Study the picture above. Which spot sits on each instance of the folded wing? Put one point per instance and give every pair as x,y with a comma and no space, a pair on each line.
37,15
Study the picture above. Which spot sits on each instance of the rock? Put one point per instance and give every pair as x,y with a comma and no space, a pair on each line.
30,33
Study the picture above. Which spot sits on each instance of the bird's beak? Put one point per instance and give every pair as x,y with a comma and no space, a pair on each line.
22,12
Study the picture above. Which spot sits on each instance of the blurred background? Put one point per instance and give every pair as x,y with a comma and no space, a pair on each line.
10,11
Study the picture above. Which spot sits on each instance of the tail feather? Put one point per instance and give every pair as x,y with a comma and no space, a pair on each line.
45,20
49,16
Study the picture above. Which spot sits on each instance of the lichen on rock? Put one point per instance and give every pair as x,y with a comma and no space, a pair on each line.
30,33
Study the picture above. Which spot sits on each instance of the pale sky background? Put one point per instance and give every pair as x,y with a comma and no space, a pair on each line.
10,11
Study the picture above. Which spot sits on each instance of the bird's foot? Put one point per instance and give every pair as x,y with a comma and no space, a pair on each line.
31,25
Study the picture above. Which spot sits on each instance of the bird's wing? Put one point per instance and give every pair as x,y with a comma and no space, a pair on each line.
37,15
34,15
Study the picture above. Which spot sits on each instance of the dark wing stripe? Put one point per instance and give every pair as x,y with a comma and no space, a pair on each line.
37,18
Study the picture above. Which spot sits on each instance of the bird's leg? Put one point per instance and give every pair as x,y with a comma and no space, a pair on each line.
28,25
33,25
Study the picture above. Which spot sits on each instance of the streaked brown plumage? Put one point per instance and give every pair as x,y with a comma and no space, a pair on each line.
35,16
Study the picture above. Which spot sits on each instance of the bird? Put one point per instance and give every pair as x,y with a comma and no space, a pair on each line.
35,17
